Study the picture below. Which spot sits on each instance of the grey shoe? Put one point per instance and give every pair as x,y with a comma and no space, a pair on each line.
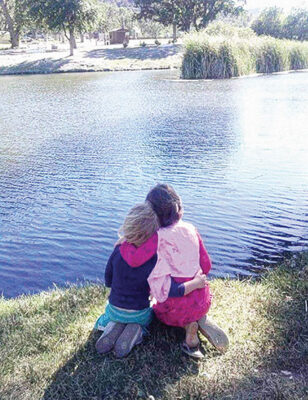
192,351
215,335
108,339
131,336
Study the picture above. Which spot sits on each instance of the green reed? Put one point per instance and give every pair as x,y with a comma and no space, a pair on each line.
224,52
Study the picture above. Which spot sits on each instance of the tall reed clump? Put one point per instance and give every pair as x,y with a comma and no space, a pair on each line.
272,56
215,57
298,55
223,51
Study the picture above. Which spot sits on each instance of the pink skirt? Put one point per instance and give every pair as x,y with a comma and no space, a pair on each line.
180,311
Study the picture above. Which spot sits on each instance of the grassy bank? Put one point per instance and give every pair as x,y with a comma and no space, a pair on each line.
89,59
224,52
47,348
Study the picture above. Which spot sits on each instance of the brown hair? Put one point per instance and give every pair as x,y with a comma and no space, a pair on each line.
139,225
166,203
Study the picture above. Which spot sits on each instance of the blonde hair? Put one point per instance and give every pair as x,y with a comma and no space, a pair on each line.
139,225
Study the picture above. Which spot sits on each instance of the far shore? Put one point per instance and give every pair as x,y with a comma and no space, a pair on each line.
42,59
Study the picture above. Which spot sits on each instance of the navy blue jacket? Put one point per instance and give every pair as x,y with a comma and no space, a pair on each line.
129,284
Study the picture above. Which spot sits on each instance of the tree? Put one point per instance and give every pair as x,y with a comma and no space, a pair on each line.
68,16
185,14
162,11
270,22
111,17
2,21
152,29
242,19
15,18
296,25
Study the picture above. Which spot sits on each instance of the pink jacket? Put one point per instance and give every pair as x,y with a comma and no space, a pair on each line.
180,254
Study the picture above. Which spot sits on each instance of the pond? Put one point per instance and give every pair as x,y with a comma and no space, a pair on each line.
78,150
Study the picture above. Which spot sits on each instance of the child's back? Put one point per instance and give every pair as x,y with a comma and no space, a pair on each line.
180,255
178,250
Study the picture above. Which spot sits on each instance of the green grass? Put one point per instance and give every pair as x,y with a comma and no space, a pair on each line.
47,347
222,51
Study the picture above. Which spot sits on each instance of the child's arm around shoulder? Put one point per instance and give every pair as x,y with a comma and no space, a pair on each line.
183,289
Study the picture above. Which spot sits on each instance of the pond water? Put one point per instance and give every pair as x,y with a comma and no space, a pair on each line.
78,150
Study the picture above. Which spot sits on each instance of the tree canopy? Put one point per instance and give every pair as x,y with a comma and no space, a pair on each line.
296,25
269,22
14,18
111,16
273,22
69,16
186,13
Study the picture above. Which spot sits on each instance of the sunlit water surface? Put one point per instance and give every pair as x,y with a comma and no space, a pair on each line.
78,150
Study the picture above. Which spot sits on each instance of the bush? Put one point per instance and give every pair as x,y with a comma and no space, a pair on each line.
232,53
210,57
272,56
298,56
143,44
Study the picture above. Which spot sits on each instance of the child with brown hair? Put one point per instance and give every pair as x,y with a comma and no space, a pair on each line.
180,255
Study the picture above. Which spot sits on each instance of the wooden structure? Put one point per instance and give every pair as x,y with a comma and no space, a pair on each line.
119,36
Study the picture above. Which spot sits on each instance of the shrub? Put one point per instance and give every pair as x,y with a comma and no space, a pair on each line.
272,56
143,44
298,56
232,53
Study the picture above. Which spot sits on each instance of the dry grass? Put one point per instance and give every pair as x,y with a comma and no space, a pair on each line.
90,59
47,347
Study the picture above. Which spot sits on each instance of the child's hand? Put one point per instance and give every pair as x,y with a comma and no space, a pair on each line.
200,280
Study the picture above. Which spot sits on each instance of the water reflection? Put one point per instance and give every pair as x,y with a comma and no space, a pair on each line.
78,150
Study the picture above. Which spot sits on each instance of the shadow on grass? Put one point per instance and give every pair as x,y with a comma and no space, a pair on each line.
148,370
266,321
141,53
266,360
268,355
45,65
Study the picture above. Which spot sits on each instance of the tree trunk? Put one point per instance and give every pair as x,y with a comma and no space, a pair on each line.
14,38
187,25
72,42
14,33
174,32
82,38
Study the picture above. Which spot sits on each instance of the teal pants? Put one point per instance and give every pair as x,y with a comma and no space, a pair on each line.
141,317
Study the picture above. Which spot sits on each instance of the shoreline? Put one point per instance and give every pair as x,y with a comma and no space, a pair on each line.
37,71
103,59
90,59
47,345
72,71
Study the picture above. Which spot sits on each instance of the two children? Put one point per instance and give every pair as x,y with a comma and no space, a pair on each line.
170,262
